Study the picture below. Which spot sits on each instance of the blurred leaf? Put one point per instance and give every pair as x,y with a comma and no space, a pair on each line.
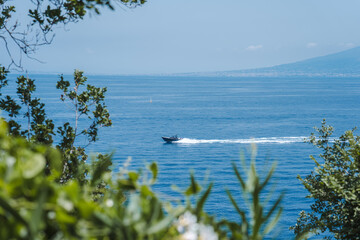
100,167
164,223
64,218
203,198
243,186
55,159
154,169
194,187
145,191
268,177
7,208
37,214
239,211
133,176
34,164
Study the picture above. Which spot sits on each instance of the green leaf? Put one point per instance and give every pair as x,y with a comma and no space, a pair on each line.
239,211
133,176
243,186
268,177
202,200
7,208
194,187
33,165
164,223
145,191
37,214
154,169
55,159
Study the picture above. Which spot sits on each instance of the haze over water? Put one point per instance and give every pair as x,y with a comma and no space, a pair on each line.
219,118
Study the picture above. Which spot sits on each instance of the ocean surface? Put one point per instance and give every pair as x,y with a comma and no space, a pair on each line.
219,118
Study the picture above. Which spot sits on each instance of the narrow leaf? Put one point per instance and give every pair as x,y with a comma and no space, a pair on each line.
239,176
202,200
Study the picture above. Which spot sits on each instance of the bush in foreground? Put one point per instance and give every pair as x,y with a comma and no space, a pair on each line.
34,205
334,186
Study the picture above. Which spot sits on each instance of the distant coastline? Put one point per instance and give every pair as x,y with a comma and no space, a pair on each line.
269,74
337,65
341,64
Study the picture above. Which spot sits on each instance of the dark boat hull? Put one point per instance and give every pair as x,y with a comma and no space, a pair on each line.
170,139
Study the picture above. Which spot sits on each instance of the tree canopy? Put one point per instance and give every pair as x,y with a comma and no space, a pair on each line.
26,34
334,186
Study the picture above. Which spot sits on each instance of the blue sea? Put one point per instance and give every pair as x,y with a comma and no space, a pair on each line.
218,118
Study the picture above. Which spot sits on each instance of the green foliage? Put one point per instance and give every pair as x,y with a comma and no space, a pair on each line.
34,205
92,100
257,219
88,104
262,221
335,187
39,128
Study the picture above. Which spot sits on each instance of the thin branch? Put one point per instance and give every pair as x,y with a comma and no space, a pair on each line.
76,113
12,60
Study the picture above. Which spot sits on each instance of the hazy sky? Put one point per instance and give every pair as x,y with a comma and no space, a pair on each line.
173,36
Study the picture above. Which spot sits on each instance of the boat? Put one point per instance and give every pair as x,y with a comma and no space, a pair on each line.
174,138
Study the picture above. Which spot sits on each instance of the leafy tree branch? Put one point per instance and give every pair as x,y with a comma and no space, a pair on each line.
28,34
88,103
334,186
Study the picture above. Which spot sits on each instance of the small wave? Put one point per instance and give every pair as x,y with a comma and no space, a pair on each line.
278,140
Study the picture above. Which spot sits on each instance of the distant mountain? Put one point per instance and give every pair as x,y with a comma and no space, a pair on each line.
345,63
